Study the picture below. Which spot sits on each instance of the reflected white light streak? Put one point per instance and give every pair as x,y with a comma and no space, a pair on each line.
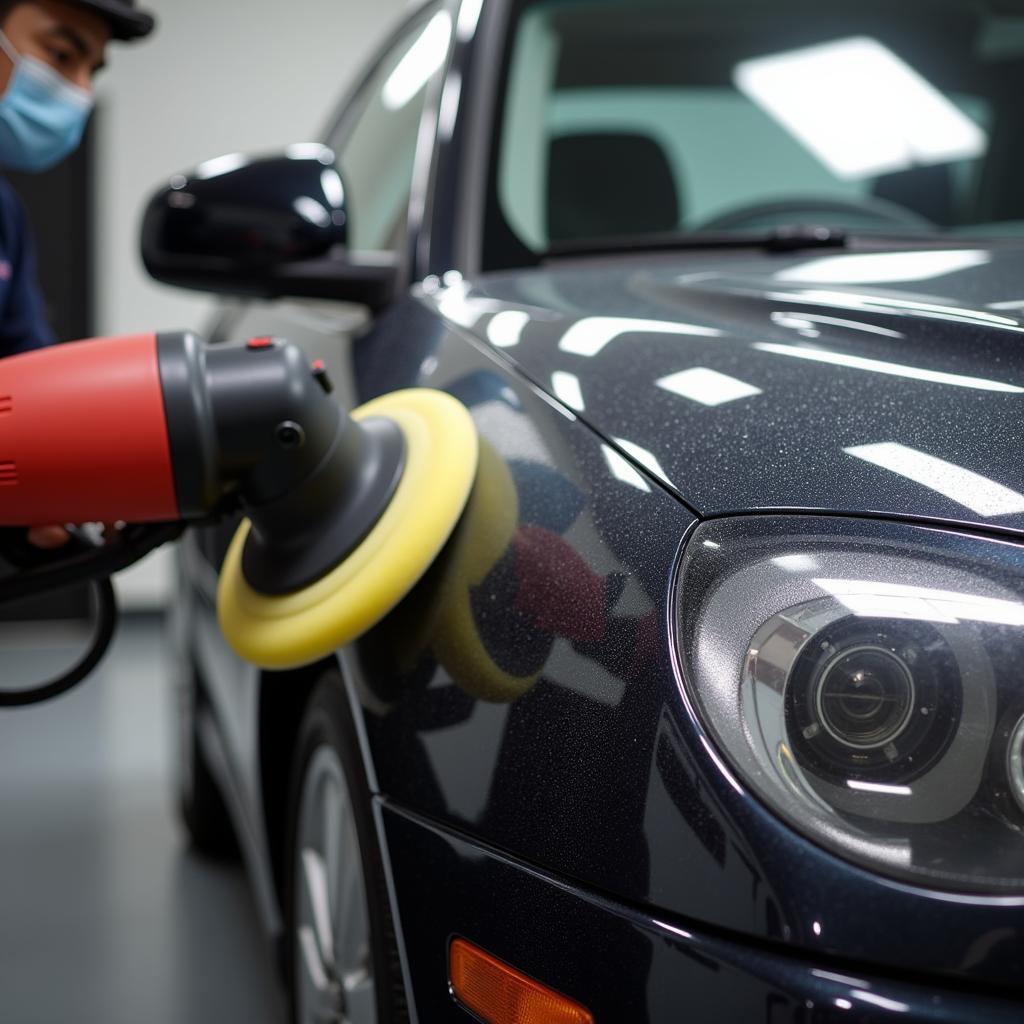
1012,304
807,320
816,927
469,16
877,1000
644,457
707,386
879,787
973,491
843,1004
310,210
506,329
796,563
587,337
870,598
843,979
334,191
884,267
818,355
221,165
566,387
310,151
453,304
449,109
896,307
859,108
681,932
720,765
421,60
623,470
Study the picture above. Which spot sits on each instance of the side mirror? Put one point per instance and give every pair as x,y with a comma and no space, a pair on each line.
269,227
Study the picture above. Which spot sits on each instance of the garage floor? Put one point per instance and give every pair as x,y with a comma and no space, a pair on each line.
105,916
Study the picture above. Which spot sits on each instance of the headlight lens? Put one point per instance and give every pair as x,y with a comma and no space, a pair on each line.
864,678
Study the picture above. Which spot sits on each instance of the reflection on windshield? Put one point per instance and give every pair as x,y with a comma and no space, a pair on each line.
859,109
626,119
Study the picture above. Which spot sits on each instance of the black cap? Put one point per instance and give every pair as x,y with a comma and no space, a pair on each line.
126,20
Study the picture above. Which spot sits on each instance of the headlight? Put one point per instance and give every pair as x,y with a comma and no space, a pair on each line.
866,680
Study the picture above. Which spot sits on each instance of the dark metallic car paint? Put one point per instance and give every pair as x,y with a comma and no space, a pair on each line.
605,750
783,446
626,966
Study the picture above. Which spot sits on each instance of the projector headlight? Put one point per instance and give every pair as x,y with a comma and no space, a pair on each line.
865,680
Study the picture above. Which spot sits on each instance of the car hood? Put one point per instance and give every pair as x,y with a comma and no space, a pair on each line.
870,382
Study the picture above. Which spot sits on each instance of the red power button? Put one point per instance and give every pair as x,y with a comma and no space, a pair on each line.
258,343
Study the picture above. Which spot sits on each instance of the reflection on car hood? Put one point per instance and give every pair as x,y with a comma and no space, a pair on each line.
862,382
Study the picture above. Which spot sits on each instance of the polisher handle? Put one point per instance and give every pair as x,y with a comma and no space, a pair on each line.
83,435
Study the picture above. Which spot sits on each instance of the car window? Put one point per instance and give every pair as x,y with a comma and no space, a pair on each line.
623,119
376,151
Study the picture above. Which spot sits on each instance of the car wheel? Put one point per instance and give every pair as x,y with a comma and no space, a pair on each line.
342,956
200,803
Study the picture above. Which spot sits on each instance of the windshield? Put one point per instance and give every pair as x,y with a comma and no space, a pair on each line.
622,120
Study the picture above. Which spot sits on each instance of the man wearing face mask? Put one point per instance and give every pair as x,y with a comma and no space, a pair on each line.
50,50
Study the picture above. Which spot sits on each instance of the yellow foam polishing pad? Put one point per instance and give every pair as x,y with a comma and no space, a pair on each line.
289,630
484,536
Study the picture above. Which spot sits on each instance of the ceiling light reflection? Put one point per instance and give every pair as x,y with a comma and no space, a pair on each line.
894,306
804,321
312,211
873,599
421,60
884,267
859,108
644,457
879,787
334,191
587,337
972,490
220,165
567,389
622,469
818,355
883,1001
506,329
706,386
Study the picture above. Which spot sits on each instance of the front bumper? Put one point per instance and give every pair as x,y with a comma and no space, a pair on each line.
624,964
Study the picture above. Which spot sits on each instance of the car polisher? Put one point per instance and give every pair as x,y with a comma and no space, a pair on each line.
344,512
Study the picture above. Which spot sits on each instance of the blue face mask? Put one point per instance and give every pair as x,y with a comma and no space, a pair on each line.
42,114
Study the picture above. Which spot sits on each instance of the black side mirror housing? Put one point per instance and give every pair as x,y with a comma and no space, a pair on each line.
266,228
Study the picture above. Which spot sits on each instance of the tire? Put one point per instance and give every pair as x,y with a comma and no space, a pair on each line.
200,804
341,953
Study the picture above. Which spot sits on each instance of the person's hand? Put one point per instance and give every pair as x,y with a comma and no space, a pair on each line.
48,538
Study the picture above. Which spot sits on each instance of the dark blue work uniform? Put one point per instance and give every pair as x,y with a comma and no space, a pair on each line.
23,323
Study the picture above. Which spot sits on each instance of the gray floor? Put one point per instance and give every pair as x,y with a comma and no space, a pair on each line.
105,915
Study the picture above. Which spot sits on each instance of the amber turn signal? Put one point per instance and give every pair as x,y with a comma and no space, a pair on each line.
499,994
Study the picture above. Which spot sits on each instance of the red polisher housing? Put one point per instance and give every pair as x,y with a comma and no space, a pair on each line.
83,435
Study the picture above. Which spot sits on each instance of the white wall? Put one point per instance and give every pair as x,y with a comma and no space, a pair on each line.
218,76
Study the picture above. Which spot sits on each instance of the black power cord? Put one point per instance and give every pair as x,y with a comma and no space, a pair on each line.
81,560
106,623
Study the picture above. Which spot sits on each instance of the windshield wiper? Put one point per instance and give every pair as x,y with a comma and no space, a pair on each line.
783,238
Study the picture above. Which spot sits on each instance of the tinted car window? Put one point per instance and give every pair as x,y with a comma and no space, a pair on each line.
376,152
626,119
